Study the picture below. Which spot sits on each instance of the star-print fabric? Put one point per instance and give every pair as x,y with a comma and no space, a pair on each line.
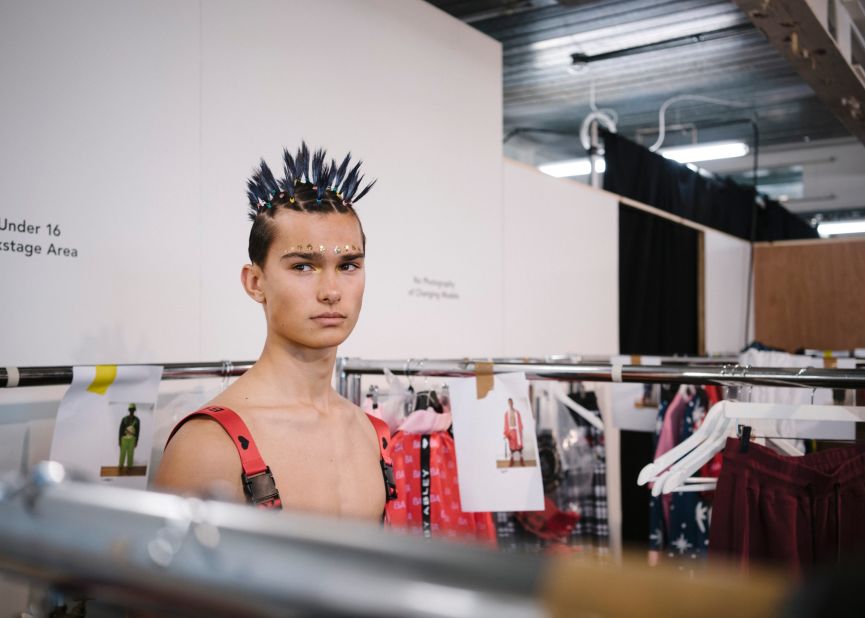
428,502
679,522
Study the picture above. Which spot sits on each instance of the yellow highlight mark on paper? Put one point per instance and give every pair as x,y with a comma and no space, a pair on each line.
105,375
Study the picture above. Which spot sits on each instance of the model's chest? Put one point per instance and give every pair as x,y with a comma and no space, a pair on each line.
327,468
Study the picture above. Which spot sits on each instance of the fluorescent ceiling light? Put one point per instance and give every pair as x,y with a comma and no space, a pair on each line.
683,154
572,167
836,228
706,152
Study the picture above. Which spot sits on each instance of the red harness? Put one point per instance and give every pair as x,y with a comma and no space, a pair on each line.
258,484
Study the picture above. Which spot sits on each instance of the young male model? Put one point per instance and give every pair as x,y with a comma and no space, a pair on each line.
322,453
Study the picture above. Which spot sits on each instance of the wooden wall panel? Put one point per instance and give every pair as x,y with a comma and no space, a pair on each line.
810,294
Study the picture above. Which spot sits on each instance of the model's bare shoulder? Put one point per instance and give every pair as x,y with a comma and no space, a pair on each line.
201,460
363,422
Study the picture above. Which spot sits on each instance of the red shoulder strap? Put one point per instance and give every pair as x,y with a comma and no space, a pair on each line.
383,433
258,483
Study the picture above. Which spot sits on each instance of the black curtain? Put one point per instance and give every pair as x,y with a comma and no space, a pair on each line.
658,284
635,172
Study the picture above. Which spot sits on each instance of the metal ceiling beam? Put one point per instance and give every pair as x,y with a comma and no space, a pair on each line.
798,34
712,35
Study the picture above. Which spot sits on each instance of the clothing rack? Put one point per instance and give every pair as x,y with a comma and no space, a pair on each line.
161,553
47,376
54,375
166,553
350,370
698,370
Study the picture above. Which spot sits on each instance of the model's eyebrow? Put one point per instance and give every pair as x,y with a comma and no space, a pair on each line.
303,255
347,257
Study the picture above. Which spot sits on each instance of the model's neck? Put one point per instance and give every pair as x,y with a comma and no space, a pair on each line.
297,375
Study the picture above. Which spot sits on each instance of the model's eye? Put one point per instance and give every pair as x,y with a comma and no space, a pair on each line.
303,267
349,267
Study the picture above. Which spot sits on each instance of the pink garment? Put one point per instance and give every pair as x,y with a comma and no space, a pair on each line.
426,421
514,432
672,426
670,431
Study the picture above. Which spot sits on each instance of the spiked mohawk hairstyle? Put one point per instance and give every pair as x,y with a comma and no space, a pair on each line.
308,185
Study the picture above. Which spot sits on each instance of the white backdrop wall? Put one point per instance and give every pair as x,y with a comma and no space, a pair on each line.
561,258
133,126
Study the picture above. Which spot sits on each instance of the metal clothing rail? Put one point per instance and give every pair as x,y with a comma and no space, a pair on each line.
350,370
699,370
167,555
47,376
189,557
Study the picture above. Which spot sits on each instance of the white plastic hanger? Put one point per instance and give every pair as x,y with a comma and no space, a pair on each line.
585,414
651,471
734,413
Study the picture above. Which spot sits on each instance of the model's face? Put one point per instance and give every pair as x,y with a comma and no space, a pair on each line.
313,278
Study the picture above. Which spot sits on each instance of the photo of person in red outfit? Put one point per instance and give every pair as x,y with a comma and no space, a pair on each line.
514,433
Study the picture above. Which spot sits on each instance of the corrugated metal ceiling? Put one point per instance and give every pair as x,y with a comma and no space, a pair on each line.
542,91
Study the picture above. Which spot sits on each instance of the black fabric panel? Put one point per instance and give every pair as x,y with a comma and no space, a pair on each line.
657,285
636,451
635,172
657,315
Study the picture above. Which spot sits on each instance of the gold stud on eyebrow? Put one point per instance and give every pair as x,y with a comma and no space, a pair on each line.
309,248
321,249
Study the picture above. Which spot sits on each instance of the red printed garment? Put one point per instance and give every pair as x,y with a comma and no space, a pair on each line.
428,499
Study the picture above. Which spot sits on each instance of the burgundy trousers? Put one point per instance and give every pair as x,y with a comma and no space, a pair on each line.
796,511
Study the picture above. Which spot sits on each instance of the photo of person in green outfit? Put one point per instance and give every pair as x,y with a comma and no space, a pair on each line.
130,428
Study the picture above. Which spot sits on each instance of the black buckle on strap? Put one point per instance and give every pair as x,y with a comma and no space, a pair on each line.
389,481
260,488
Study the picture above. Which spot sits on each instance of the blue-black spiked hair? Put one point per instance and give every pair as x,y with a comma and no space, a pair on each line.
309,184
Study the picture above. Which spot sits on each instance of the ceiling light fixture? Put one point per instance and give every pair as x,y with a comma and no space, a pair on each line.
706,152
572,167
682,154
838,228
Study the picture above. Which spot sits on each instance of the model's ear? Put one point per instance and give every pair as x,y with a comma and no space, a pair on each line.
251,277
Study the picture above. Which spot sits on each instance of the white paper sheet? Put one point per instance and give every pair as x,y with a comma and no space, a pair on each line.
491,476
87,435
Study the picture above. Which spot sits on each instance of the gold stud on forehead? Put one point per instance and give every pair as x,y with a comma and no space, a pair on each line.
348,248
321,249
337,250
309,248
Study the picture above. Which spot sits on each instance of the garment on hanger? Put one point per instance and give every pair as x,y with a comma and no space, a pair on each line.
584,484
795,511
426,421
679,522
427,484
573,462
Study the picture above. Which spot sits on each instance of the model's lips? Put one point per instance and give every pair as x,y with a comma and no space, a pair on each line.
328,316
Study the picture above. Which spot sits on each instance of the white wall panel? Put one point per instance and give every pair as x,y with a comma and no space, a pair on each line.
100,137
413,92
561,266
727,260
